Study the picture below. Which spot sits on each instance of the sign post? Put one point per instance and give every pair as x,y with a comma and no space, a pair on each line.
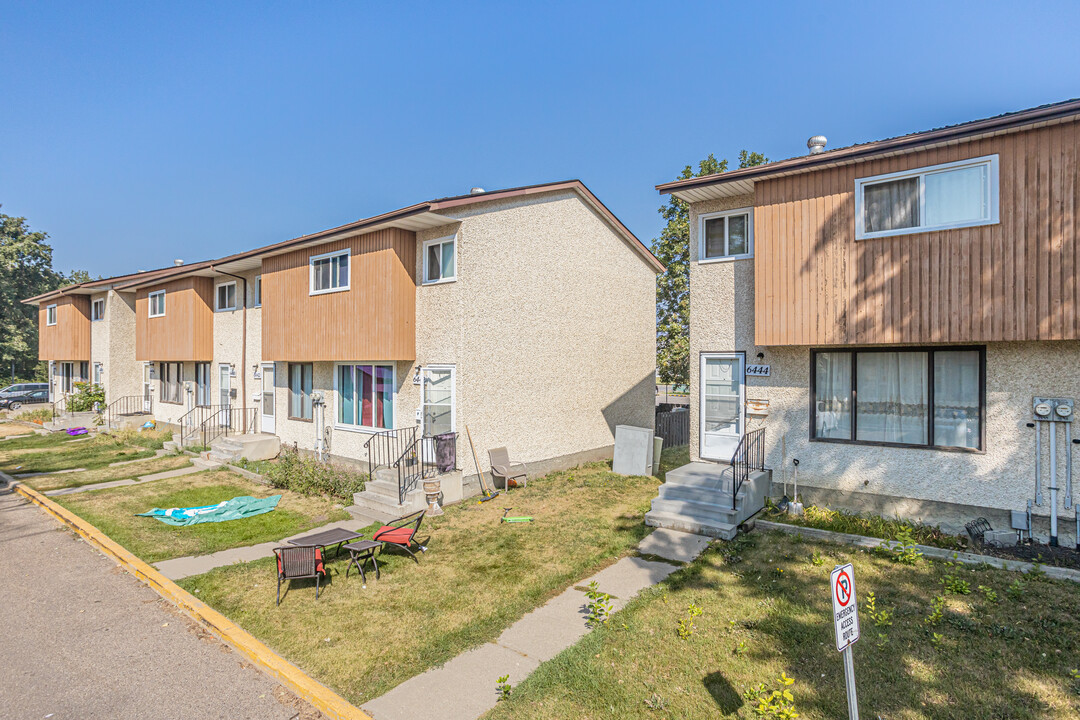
846,625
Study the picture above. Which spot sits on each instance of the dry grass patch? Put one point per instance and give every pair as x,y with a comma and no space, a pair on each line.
477,578
59,451
9,429
113,511
44,483
766,610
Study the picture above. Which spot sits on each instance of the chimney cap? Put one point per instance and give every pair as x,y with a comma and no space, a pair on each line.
816,144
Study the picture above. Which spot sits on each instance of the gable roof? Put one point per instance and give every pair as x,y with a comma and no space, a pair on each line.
741,181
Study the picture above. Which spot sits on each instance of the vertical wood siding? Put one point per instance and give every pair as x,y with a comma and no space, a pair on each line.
69,338
375,319
186,332
1016,280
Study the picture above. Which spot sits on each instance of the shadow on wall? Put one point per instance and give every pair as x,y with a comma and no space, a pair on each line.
636,406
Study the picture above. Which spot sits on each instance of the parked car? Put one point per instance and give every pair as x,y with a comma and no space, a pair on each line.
14,402
22,388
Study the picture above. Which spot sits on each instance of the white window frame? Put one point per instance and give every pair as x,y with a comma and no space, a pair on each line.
993,188
94,317
217,297
442,243
453,394
257,285
749,213
311,272
150,301
171,387
50,314
338,425
99,370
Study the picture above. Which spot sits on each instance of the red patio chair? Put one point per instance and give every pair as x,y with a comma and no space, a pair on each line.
299,561
400,533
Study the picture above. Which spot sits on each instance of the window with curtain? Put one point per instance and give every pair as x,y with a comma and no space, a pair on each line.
366,396
438,400
926,397
439,260
726,235
202,384
300,391
330,272
170,375
959,194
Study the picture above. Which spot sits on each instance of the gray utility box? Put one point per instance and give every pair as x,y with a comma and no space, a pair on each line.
633,450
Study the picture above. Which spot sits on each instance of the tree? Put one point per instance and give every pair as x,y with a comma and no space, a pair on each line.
673,286
25,270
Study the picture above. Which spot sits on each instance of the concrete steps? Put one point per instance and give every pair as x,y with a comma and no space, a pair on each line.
252,446
696,498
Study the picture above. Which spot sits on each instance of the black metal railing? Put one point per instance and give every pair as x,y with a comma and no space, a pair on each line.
192,421
60,407
415,464
749,457
225,422
128,405
386,447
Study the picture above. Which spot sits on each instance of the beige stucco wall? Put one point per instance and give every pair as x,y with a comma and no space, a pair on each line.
550,326
233,347
112,343
1002,477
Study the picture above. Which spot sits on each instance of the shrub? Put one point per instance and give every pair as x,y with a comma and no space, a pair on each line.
39,416
84,397
870,525
308,476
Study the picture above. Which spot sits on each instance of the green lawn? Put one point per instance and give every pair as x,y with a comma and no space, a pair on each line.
766,610
113,511
477,578
44,483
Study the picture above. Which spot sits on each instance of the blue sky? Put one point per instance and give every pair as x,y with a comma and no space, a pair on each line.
135,133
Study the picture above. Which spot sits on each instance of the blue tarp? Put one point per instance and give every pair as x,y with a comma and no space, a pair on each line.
235,509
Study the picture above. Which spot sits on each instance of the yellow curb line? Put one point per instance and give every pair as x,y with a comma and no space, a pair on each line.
323,698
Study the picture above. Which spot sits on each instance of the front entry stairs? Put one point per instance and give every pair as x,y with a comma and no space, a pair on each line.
696,498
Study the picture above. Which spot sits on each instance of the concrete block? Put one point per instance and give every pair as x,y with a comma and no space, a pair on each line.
1000,538
633,450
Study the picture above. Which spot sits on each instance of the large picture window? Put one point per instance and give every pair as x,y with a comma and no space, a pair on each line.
366,396
923,397
300,391
953,195
171,377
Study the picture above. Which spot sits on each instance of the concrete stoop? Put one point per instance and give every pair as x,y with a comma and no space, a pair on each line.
253,446
696,498
379,498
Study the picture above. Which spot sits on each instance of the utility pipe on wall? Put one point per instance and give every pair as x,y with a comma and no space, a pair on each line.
1053,486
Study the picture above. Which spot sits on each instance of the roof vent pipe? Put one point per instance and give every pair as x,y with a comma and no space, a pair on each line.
177,262
816,144
476,190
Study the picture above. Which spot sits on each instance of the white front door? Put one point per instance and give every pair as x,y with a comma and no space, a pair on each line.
147,402
224,385
723,404
267,398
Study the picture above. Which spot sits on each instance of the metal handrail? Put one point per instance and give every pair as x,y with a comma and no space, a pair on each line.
386,447
227,421
60,403
412,466
192,421
749,457
128,405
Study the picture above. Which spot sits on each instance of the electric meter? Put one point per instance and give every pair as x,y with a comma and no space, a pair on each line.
1042,409
1063,410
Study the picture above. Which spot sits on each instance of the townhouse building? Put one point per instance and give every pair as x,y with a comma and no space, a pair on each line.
902,317
526,315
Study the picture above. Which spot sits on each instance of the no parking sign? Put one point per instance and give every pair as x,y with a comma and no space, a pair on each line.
845,606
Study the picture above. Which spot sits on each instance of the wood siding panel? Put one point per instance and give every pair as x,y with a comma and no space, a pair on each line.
186,332
375,319
69,338
1015,280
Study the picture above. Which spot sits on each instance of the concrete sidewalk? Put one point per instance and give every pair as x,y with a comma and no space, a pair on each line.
464,688
86,640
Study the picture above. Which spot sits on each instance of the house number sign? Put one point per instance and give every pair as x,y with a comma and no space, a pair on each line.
757,370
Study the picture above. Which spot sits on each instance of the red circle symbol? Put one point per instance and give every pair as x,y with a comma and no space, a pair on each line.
843,588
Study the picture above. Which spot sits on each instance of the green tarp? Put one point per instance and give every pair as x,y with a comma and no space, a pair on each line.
235,509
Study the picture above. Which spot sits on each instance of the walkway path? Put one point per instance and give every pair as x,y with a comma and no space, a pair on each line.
116,650
130,481
464,688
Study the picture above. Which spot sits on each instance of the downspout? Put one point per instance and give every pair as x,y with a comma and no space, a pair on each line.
243,347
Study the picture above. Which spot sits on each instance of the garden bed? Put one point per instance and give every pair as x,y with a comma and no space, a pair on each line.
1005,649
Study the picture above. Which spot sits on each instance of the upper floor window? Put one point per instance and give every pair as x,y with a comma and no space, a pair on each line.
97,310
50,314
727,235
226,296
256,291
157,303
330,272
440,260
953,195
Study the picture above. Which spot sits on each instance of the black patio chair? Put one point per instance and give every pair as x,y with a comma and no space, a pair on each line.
299,561
402,533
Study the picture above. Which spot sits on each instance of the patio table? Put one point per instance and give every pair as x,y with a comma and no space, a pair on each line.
359,553
326,538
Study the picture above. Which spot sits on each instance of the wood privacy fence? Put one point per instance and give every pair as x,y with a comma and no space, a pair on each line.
674,427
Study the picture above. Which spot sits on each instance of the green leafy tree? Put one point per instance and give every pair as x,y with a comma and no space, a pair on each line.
673,286
25,270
